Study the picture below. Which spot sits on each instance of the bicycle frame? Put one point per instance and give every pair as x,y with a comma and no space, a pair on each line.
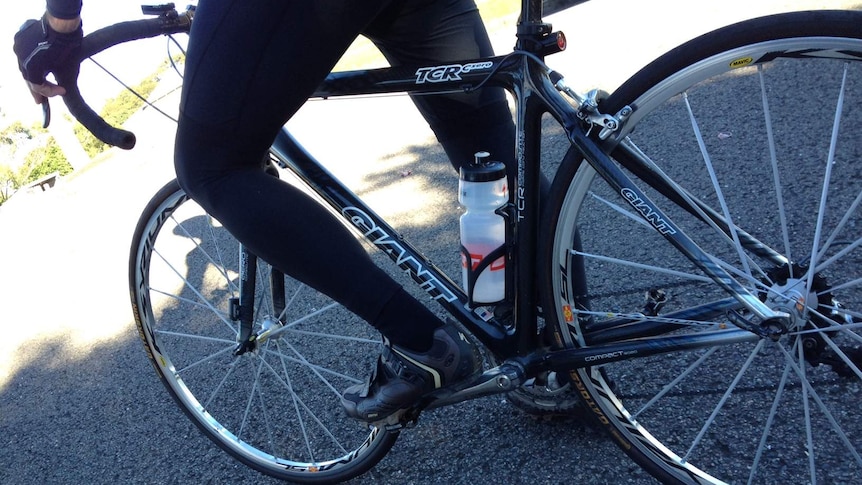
524,74
536,91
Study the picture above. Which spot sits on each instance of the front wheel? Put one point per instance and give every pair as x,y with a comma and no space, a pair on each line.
749,140
277,409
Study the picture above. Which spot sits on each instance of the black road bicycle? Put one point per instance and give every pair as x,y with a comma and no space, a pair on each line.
693,279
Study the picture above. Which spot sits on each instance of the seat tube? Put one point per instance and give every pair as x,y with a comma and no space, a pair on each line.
526,201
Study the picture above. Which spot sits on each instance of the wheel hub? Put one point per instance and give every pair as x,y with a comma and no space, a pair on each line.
268,326
789,292
792,297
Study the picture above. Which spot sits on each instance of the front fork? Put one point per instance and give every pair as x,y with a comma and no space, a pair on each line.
242,308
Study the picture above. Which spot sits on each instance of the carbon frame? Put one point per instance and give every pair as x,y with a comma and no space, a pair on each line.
526,77
524,74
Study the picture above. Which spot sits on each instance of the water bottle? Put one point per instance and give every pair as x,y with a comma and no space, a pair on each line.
482,189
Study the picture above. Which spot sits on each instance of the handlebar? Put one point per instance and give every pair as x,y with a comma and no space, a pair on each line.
167,21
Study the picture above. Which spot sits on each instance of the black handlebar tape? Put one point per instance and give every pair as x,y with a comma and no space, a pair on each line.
94,123
118,33
96,42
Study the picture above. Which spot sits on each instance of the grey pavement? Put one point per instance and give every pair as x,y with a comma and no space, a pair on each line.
79,402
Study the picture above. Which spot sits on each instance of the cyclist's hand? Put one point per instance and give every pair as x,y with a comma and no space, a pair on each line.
41,50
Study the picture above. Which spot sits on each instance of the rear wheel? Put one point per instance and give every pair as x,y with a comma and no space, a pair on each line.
760,123
277,409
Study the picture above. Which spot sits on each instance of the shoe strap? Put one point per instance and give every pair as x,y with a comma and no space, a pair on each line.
397,367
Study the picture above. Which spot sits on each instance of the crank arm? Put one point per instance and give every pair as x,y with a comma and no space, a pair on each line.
504,378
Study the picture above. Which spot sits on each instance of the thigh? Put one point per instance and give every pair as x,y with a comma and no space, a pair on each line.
428,32
423,31
252,63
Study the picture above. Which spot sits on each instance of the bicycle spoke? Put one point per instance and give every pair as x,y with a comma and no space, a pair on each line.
295,398
181,299
718,191
217,262
346,338
827,177
221,385
694,365
325,428
202,338
724,399
317,369
307,317
296,409
205,359
657,269
203,300
263,305
809,391
250,400
848,285
825,264
844,358
837,230
290,302
806,412
631,216
763,177
770,420
277,406
640,316
832,328
773,160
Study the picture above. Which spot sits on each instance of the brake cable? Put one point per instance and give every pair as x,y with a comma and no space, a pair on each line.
146,101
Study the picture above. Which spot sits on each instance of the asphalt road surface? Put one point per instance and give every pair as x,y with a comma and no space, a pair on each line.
79,402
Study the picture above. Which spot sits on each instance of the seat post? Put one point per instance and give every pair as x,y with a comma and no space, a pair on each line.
531,28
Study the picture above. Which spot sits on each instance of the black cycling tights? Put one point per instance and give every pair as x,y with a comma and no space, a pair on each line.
251,64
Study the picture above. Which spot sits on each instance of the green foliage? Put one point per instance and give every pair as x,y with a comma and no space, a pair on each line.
41,161
49,157
15,132
8,183
45,160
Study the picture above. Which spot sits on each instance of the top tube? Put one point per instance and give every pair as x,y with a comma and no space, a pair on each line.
455,76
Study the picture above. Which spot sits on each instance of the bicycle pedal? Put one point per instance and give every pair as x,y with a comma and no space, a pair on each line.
399,420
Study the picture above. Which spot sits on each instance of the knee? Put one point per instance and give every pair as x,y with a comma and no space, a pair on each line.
191,152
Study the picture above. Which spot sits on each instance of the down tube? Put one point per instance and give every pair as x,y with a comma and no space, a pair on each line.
344,202
626,188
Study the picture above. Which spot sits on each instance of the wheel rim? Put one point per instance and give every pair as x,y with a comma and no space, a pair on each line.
701,416
278,408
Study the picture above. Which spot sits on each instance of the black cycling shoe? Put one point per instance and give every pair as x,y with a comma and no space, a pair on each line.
403,377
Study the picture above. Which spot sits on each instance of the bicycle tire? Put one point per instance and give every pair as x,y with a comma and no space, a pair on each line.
276,409
775,91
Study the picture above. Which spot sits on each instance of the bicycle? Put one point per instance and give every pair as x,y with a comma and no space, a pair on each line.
715,338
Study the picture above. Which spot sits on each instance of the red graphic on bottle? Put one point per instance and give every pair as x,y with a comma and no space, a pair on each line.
475,259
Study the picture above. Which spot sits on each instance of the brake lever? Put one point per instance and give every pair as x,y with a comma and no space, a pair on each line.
46,113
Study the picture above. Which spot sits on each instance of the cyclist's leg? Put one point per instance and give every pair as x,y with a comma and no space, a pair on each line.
249,68
427,31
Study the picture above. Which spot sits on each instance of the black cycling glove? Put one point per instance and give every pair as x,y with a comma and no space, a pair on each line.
40,50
